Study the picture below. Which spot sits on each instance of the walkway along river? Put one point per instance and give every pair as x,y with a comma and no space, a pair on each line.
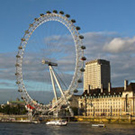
116,120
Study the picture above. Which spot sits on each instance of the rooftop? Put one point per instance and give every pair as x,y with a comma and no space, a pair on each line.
113,91
99,61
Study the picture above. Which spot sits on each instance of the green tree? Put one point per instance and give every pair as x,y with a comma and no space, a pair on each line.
7,109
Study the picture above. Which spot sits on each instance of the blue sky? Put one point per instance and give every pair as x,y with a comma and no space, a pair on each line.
108,27
91,15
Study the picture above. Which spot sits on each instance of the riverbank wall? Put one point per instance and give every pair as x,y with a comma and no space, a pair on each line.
103,119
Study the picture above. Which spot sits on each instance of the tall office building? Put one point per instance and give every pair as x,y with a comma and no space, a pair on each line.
97,74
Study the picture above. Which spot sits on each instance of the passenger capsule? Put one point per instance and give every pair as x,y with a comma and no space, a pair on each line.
64,106
79,81
81,37
18,56
78,28
61,12
31,25
41,14
16,73
73,21
83,58
17,65
19,90
48,12
67,15
75,91
83,47
82,69
36,19
26,32
23,98
17,82
55,11
20,47
23,39
70,99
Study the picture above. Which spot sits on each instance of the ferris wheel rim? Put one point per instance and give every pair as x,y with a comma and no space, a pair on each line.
78,50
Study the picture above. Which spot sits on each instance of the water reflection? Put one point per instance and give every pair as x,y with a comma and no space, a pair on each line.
70,129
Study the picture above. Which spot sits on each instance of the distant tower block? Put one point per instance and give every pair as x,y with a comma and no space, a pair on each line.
97,74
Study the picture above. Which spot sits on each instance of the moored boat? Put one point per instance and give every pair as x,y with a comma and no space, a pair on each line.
57,122
98,125
35,122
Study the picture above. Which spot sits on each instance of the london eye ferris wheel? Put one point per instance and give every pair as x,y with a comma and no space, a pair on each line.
50,58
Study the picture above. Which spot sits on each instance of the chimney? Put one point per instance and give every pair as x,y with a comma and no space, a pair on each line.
125,84
101,88
109,87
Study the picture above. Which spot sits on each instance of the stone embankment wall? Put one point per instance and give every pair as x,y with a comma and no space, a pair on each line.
11,117
115,120
103,119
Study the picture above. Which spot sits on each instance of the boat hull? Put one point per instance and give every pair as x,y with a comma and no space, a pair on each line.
98,125
57,123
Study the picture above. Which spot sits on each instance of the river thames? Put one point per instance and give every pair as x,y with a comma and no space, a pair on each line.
70,129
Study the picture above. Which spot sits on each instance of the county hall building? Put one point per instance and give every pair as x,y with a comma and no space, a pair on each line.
99,98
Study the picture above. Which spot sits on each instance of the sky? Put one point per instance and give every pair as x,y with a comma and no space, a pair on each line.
108,27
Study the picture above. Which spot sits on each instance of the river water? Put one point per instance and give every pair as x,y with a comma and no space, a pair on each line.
70,129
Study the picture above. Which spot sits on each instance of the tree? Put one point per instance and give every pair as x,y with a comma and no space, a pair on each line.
7,109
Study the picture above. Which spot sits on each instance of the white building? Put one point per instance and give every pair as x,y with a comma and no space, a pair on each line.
109,102
97,74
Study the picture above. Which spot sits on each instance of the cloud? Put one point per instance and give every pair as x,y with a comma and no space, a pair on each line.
7,69
115,48
99,45
118,45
